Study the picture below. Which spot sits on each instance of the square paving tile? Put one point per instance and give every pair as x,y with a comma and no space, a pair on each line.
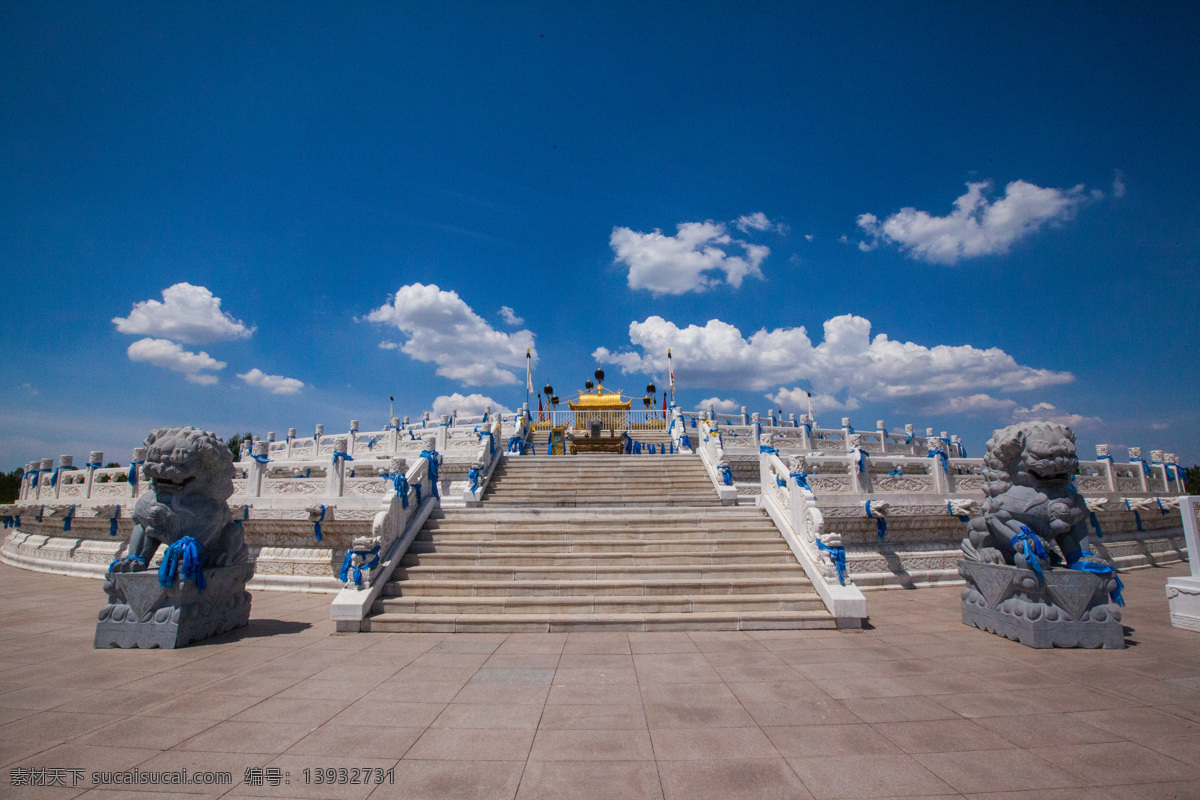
802,741
591,745
708,744
453,780
868,776
732,779
473,744
590,780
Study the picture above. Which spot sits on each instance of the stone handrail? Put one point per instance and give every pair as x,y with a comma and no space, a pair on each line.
487,456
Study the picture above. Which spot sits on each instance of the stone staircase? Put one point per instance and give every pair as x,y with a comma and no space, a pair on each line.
599,542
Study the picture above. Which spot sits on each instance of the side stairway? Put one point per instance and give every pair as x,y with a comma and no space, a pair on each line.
599,542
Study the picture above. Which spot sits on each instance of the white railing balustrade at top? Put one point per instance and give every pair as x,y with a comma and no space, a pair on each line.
613,421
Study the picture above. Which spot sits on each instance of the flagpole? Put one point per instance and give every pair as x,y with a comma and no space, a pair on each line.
528,377
671,370
391,408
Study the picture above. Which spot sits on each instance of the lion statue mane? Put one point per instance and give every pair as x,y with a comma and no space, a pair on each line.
1027,474
191,478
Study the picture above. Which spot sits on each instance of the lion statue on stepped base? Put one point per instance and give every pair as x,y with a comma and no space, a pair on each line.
200,587
1029,576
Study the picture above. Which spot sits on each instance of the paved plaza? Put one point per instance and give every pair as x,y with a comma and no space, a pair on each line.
918,705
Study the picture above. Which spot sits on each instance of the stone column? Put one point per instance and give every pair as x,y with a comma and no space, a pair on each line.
94,457
44,492
443,432
1110,474
846,434
756,421
908,431
291,437
1156,462
1138,468
883,442
804,423
256,471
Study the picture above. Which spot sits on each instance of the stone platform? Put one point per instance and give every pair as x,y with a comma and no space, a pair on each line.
915,705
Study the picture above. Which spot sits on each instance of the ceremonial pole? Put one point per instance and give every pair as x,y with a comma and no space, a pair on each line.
528,377
671,370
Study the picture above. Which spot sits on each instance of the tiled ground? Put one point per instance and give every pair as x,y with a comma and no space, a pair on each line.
917,706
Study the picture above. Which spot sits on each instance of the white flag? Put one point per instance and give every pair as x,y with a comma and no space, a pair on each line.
528,372
671,370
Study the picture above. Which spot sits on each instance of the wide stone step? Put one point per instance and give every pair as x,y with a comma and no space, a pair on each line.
444,544
599,604
608,571
529,588
746,557
548,535
543,623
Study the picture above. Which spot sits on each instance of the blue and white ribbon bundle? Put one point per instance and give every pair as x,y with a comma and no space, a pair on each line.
182,560
838,556
1145,467
343,456
260,459
684,441
950,511
1030,546
491,441
726,475
133,473
1099,569
57,470
317,524
348,565
473,475
762,448
945,461
434,460
401,483
802,482
880,522
863,458
112,523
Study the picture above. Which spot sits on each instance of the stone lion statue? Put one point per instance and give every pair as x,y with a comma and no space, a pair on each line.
191,478
1027,483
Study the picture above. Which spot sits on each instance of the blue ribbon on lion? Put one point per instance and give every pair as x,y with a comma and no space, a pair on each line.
317,524
182,560
434,459
347,561
1030,547
1099,569
838,556
880,523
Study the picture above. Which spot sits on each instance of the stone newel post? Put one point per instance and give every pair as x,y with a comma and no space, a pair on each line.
139,485
95,461
335,480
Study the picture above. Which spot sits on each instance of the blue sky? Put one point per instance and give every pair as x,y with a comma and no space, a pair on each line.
1008,192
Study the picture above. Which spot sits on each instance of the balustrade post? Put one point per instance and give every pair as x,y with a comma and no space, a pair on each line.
1139,467
756,422
43,487
335,482
291,441
95,462
806,437
138,460
846,428
1110,474
255,471
745,416
883,442
443,433
1157,462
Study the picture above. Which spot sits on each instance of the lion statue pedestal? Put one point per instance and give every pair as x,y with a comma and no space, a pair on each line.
1028,575
199,589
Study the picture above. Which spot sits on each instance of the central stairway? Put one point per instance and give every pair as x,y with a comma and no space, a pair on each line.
599,542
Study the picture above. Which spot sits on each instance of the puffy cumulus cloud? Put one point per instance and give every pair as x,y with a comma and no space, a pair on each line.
510,317
187,313
723,406
686,261
798,399
977,226
758,221
973,405
849,362
444,330
468,405
165,353
1049,413
275,384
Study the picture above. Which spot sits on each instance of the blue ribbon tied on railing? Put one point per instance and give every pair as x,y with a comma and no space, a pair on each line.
401,483
317,524
1157,500
261,459
685,441
802,482
693,422
71,515
343,456
473,475
1136,516
42,513
862,457
112,523
1099,569
33,476
945,461
880,522
491,441
1031,547
133,473
434,459
726,475
838,556
762,448
57,470
348,565
950,511
183,561
371,442
1145,467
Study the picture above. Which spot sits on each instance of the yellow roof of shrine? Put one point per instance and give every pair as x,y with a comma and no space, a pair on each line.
599,400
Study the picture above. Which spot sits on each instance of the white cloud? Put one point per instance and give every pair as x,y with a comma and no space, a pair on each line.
385,345
977,226
848,360
758,221
1048,413
1118,188
678,264
510,317
469,405
973,405
797,399
808,237
277,384
443,329
188,314
165,353
1159,426
723,406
